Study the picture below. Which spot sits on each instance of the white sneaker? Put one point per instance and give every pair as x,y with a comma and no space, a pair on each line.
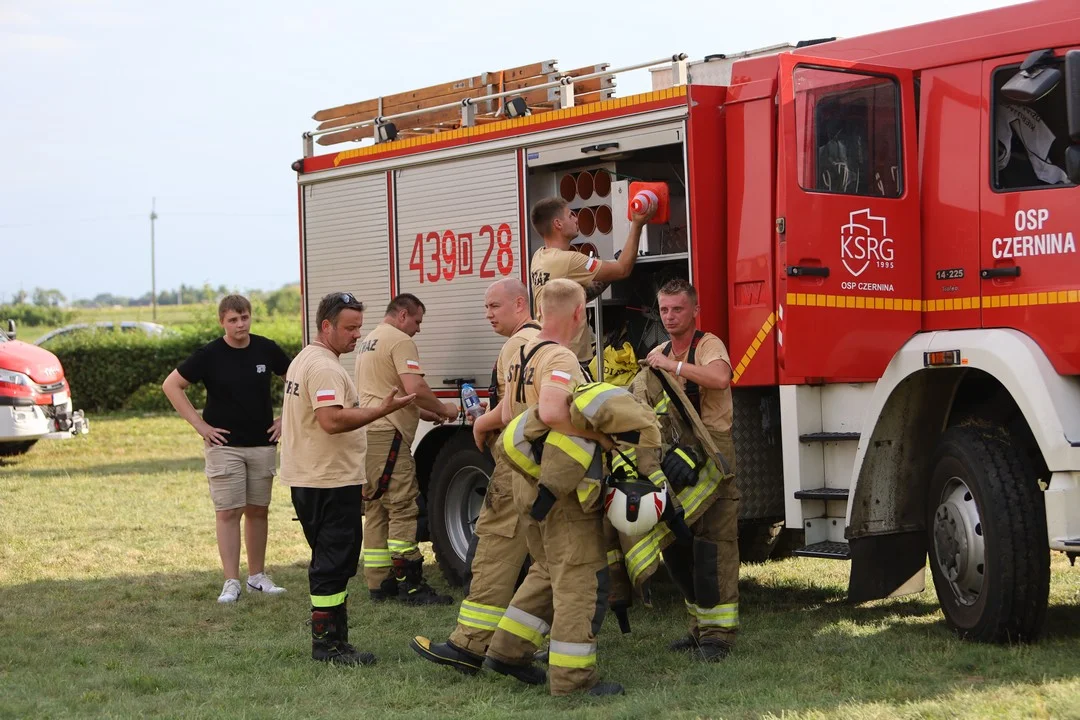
262,583
230,592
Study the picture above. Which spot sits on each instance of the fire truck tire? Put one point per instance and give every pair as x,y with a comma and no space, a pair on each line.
987,541
16,448
455,494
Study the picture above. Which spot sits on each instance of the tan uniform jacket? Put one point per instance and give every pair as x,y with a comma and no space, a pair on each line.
381,359
716,407
311,457
552,263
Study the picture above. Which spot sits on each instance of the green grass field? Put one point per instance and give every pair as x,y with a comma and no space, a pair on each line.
109,575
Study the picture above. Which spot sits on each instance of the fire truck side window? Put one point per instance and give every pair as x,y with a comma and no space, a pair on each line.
848,132
1030,139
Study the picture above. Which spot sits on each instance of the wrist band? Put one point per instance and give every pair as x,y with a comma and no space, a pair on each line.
678,369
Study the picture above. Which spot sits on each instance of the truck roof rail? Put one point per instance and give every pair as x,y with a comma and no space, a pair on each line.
472,101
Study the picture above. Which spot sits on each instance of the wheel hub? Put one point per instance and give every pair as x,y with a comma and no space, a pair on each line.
959,548
464,500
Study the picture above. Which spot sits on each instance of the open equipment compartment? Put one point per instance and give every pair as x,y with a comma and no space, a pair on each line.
597,188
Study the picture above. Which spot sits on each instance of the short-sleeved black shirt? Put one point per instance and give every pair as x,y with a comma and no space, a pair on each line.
237,384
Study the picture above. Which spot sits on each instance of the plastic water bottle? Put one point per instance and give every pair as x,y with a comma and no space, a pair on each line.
471,401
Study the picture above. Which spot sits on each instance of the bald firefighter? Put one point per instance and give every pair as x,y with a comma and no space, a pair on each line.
564,535
557,224
708,571
387,357
498,549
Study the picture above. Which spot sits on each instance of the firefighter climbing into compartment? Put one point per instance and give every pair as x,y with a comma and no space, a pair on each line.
688,384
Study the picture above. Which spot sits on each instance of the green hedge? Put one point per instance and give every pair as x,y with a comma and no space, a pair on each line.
114,370
34,315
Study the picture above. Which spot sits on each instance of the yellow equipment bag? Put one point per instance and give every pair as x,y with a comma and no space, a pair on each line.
620,366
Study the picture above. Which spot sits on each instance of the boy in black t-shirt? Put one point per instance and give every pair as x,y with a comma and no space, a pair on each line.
240,433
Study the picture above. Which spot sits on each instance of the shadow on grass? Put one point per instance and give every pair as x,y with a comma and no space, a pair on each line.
133,468
160,644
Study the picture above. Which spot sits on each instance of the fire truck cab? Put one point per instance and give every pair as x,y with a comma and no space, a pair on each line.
882,230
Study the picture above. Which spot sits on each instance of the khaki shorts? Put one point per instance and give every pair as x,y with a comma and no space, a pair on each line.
240,476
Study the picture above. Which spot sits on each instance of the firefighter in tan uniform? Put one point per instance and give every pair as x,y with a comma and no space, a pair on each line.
565,539
387,357
557,224
322,450
498,549
708,574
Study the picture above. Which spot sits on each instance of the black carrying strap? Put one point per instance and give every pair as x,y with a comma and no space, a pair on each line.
388,470
692,390
493,386
674,400
519,394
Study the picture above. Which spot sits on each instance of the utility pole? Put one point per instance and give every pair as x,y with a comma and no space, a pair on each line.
153,267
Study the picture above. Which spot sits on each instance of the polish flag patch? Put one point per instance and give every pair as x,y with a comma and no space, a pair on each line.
591,264
324,395
412,364
560,377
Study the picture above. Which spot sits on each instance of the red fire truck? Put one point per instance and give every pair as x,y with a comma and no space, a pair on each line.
880,228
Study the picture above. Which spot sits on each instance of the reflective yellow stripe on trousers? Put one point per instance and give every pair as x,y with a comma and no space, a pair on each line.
523,625
572,655
377,557
329,601
724,616
401,547
482,617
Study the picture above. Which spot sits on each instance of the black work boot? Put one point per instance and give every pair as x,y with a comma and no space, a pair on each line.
712,650
388,590
412,590
687,642
528,674
606,688
447,653
328,643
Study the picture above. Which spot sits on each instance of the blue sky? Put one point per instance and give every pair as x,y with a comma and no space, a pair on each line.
108,103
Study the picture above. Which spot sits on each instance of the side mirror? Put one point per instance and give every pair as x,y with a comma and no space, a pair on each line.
1034,79
11,329
1072,94
1072,163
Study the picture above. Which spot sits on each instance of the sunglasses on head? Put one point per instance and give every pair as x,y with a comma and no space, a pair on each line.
348,300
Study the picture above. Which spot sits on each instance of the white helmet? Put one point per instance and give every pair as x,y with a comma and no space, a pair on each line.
634,507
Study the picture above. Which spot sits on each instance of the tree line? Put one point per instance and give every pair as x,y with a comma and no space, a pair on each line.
285,299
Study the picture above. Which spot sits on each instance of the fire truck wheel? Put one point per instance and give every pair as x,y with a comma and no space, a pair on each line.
16,448
987,541
455,495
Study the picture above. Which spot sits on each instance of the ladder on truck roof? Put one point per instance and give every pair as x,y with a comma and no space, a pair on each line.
488,97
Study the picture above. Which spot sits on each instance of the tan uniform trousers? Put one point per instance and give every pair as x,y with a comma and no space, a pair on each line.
389,522
565,593
709,574
497,556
